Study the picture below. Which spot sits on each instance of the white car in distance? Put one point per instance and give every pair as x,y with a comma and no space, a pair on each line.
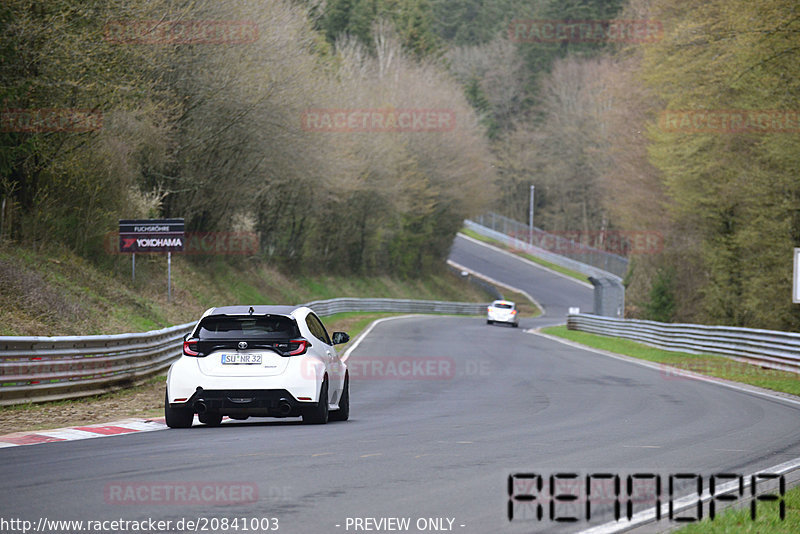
502,311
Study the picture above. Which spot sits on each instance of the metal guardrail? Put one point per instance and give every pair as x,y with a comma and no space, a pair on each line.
766,348
563,261
556,245
38,369
342,305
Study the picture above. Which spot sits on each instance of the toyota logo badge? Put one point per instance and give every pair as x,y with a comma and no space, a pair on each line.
243,345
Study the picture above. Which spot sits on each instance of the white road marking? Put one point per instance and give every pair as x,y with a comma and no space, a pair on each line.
491,280
646,516
674,371
366,332
68,434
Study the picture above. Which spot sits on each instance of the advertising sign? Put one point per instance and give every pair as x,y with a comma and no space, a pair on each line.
151,235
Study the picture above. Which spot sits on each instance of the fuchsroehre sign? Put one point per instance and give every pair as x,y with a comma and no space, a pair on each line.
151,235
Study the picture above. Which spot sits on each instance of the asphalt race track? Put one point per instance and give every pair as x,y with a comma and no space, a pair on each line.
554,292
481,402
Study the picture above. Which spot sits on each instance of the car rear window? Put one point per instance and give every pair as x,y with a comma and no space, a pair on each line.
504,306
226,327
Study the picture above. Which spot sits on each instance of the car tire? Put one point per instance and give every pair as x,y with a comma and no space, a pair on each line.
488,321
318,415
177,417
516,325
343,413
210,419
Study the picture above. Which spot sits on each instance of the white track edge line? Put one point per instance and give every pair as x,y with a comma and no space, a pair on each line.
499,283
366,332
662,367
649,515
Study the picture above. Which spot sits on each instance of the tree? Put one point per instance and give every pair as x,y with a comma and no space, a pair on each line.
412,20
736,190
492,74
214,132
661,306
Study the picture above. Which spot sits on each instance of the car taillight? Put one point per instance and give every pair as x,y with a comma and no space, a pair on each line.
298,347
190,348
513,312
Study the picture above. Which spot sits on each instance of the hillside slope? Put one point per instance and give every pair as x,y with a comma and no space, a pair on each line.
55,292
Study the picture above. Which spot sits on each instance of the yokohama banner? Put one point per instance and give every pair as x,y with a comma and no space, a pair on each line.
151,235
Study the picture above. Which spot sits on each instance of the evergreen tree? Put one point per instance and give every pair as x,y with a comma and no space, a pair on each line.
413,21
661,306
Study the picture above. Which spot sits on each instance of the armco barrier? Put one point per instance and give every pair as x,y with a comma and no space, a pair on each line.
609,292
767,348
330,307
560,249
37,369
563,261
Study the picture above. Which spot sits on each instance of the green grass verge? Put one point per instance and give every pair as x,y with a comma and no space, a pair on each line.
543,263
739,520
55,292
353,323
525,307
116,394
707,364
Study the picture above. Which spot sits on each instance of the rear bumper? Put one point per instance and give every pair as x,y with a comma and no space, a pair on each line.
302,379
503,319
250,402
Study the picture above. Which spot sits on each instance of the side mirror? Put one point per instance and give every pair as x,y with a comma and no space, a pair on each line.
340,337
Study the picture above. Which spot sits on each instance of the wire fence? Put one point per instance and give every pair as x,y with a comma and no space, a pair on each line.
560,246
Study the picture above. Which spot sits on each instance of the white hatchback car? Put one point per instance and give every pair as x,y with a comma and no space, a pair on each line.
502,311
263,361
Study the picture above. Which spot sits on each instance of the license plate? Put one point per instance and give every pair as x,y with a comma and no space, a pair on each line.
235,359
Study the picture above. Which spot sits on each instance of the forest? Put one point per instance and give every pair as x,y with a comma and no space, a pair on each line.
196,110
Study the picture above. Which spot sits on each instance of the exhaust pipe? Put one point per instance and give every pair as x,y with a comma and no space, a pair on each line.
284,407
200,406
